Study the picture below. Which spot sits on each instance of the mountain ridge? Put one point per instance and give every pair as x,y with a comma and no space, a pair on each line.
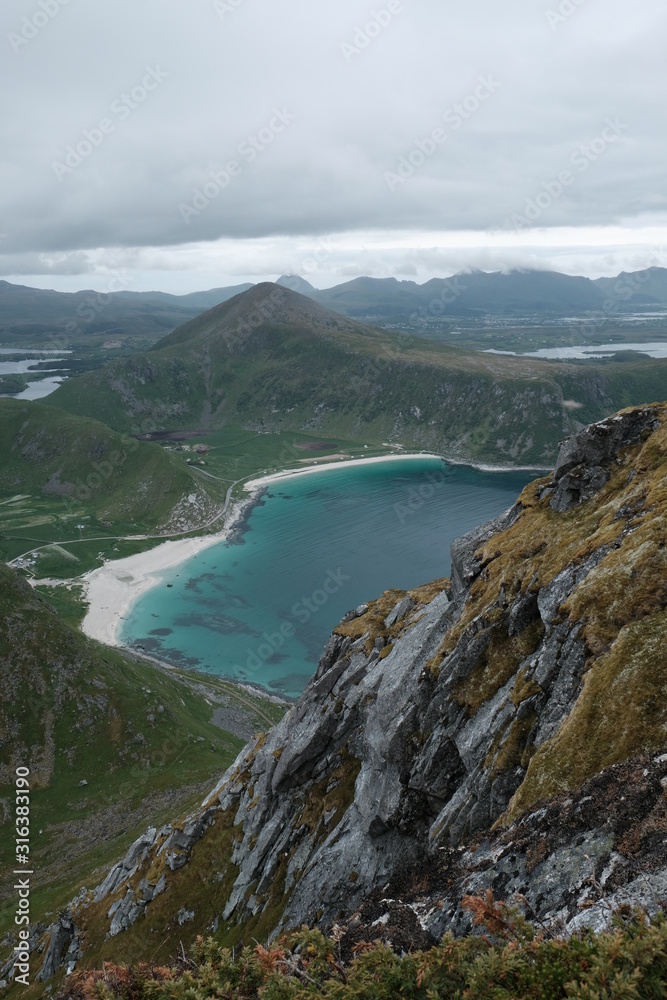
31,312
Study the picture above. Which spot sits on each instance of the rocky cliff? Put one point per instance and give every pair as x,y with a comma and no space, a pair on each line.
503,729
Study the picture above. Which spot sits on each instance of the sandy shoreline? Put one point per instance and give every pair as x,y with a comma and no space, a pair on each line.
112,589
325,465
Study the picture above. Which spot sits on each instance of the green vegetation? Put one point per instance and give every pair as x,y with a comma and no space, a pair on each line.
66,479
112,743
517,963
205,883
12,383
271,361
238,454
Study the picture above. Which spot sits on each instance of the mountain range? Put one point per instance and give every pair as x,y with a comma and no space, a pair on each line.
32,314
513,293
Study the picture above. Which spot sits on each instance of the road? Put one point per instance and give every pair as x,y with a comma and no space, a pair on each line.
143,538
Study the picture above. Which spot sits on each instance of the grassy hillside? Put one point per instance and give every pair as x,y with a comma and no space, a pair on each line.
271,360
111,744
65,477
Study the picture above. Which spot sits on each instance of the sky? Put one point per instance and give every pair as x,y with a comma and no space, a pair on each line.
173,145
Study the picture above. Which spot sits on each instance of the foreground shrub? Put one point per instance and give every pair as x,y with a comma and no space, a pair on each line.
510,959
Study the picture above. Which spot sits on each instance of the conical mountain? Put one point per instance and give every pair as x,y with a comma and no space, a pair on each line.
263,307
272,360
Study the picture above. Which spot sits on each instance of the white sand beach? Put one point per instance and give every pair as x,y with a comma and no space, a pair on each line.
112,589
325,465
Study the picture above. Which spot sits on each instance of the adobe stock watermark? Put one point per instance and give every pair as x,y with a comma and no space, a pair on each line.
581,160
454,118
32,24
248,150
122,107
301,613
562,13
364,34
312,262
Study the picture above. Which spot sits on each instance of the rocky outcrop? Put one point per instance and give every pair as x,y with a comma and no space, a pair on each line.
439,715
584,459
571,864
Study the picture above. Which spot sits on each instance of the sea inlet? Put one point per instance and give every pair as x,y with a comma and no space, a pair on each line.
260,607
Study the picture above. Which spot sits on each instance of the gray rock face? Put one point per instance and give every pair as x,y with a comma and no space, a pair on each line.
62,947
465,565
568,860
583,462
404,746
121,872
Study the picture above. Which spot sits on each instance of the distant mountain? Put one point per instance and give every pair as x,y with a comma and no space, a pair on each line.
42,316
195,301
34,315
479,293
297,284
272,360
467,293
373,297
641,288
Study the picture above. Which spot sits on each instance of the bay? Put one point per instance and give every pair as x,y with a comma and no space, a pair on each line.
260,609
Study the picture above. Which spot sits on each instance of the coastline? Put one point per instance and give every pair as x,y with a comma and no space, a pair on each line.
483,467
112,589
273,477
347,463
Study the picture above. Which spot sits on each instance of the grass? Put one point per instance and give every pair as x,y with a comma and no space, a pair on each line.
112,743
622,709
619,609
273,370
72,480
236,453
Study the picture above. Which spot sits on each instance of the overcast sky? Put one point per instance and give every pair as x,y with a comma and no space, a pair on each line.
186,144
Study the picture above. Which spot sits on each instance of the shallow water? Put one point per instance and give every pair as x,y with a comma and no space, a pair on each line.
22,365
261,608
652,349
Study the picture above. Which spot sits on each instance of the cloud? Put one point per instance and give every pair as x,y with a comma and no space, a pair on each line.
259,116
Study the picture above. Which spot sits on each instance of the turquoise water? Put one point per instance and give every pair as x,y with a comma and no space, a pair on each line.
261,608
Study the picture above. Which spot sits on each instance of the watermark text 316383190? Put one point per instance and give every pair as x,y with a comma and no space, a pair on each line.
22,871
